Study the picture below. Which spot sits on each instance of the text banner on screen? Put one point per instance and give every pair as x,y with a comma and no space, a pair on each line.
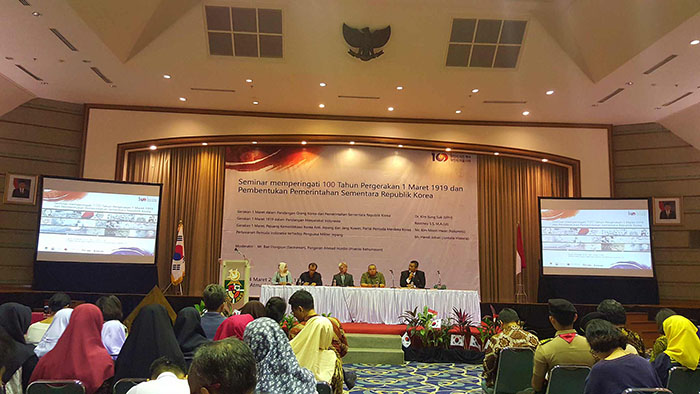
362,205
597,237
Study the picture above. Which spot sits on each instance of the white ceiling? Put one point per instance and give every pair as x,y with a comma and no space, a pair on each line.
582,49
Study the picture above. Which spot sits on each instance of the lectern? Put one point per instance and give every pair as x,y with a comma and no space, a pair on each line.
235,277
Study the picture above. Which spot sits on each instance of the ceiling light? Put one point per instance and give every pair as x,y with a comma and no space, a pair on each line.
256,102
36,13
303,142
459,111
496,153
526,113
390,108
112,86
475,90
399,88
166,76
204,144
352,142
322,84
448,149
183,99
400,146
545,160
152,147
629,83
255,142
322,105
695,42
549,92
249,80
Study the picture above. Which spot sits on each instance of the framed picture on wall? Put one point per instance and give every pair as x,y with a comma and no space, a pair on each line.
20,189
668,211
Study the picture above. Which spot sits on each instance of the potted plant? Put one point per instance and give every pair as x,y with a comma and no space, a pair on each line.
489,327
461,329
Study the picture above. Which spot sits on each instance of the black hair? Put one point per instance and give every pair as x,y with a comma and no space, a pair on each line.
313,265
58,301
164,364
508,315
564,318
111,307
302,298
604,337
214,295
414,262
228,363
614,311
661,316
275,308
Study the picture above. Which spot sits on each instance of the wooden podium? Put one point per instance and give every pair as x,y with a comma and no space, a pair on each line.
235,277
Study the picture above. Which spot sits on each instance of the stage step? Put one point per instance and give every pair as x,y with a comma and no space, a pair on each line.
374,349
637,317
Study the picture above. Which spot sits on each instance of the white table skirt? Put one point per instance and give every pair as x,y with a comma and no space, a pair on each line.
379,305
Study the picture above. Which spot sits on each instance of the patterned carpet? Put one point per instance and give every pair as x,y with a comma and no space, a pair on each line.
414,377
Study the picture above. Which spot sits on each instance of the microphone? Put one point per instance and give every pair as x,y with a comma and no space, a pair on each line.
393,279
439,279
241,253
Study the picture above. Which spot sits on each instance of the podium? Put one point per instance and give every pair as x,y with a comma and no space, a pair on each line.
235,277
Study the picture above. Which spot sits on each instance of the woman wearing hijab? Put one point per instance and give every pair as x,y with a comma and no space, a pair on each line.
683,347
233,326
313,348
189,332
151,337
254,308
282,276
113,331
278,369
79,353
20,360
52,335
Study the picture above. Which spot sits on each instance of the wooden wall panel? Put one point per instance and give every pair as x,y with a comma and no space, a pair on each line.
41,137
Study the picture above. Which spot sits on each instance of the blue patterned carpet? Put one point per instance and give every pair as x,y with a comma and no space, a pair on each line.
414,377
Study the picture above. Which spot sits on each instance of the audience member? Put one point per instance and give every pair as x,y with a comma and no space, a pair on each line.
661,342
565,348
511,336
311,277
302,303
278,369
79,353
37,330
223,367
342,278
275,309
189,332
589,317
233,326
19,360
615,313
617,370
253,308
214,297
412,277
151,337
313,350
56,329
166,377
372,278
282,276
683,347
113,331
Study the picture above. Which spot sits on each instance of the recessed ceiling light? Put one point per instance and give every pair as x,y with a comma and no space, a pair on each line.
448,149
695,42
255,142
390,108
400,146
459,111
166,76
352,142
152,147
526,113
256,102
87,61
657,107
496,153
629,83
249,80
475,90
183,99
303,142
36,13
322,84
112,86
545,160
322,105
204,144
399,88
549,92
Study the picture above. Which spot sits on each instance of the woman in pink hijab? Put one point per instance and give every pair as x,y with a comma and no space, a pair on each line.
233,326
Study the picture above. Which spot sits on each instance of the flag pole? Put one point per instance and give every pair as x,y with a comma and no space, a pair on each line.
520,295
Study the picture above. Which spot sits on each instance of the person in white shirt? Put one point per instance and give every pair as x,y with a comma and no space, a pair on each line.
37,330
166,378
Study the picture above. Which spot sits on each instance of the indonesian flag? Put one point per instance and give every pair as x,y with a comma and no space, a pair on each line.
520,253
177,268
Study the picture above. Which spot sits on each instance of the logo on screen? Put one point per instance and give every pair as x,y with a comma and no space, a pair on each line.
441,157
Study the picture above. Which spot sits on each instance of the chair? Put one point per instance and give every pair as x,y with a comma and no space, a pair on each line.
514,370
56,387
124,385
567,379
645,391
323,388
681,380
